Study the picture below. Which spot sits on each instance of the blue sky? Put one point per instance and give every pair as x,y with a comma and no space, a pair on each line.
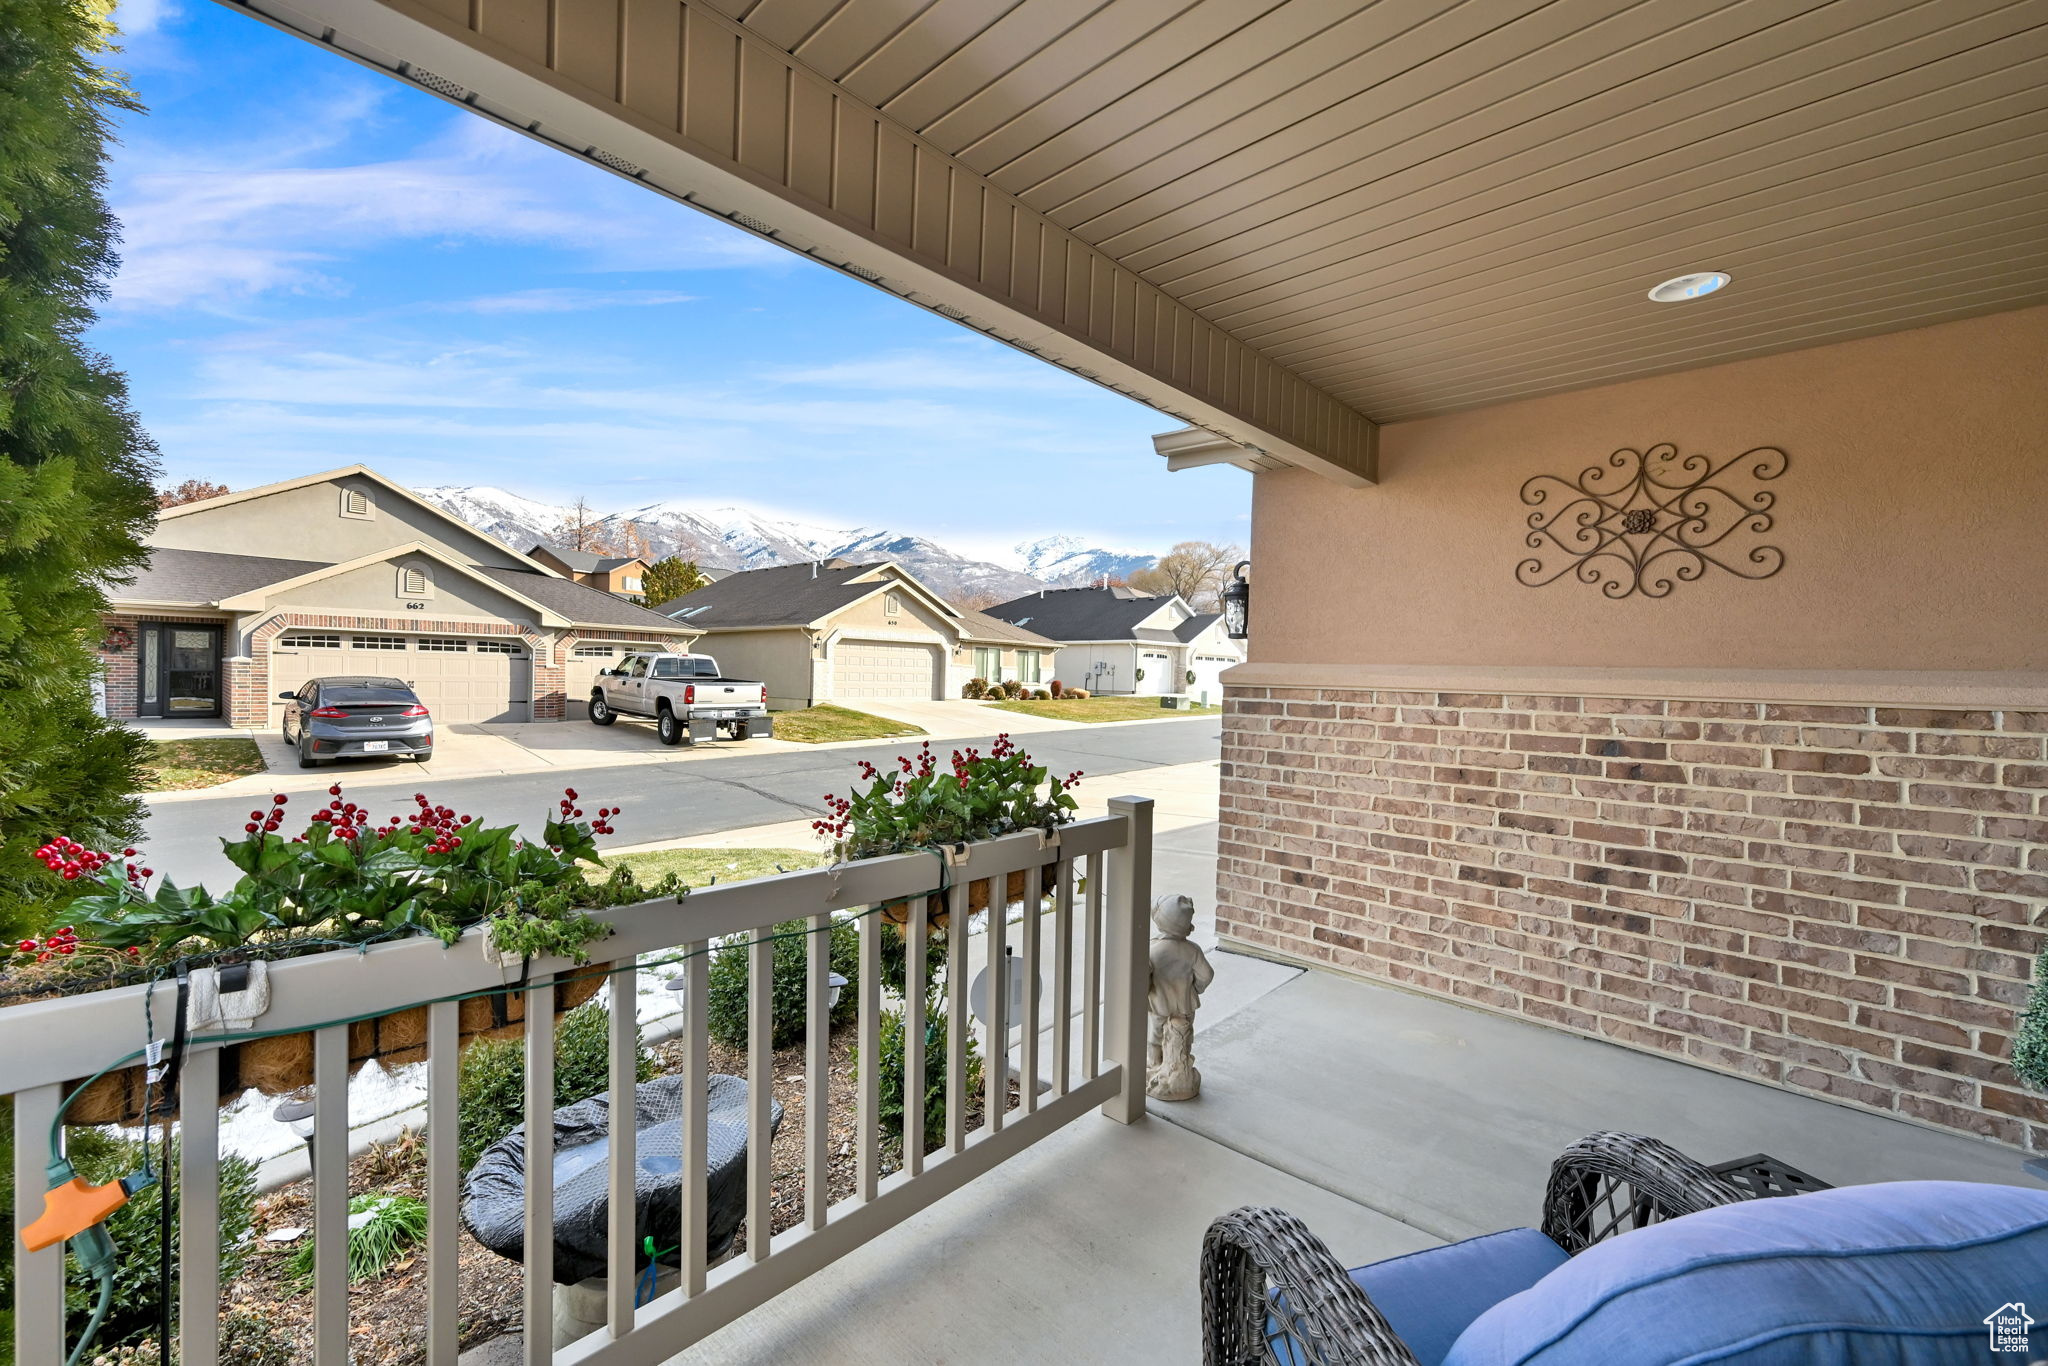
322,265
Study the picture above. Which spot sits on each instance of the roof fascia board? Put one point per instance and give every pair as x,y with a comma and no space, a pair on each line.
362,471
1108,325
258,598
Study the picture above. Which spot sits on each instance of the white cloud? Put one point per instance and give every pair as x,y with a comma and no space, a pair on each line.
215,232
978,367
571,300
135,18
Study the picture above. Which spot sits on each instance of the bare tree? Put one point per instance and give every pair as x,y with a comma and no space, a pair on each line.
580,529
191,491
1193,569
980,600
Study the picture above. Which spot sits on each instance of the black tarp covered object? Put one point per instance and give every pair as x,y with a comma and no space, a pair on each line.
494,1193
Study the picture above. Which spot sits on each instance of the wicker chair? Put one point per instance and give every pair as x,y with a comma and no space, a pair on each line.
1262,1270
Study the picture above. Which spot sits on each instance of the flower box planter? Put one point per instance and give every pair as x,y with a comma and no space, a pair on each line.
282,1065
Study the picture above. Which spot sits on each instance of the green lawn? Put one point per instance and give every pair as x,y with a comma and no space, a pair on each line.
181,765
816,725
1102,709
699,866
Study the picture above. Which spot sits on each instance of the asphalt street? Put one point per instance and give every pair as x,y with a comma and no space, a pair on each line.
668,801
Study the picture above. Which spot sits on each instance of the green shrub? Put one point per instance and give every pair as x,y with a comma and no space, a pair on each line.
2030,1043
75,464
725,1008
490,1097
890,1079
395,1223
132,1316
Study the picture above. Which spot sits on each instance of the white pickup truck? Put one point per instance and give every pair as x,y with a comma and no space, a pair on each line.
685,696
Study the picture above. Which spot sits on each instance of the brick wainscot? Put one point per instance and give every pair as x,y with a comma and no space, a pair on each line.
1834,899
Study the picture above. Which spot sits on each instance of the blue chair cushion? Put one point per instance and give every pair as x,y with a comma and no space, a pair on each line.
1430,1296
1902,1274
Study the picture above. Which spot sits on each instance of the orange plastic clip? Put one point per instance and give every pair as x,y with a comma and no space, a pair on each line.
71,1209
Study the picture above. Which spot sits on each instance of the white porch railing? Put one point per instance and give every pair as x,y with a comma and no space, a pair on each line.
1096,1027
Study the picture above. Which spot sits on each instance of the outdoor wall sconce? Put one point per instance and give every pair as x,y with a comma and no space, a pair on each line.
1237,603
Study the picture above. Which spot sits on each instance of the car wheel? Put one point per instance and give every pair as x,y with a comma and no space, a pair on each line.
306,759
668,727
601,713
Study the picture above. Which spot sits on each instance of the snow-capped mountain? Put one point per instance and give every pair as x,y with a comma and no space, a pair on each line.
735,538
1070,562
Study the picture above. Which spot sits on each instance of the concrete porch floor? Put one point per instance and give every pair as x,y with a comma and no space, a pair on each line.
1390,1122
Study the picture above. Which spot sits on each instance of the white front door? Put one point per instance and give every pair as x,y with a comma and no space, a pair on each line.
1158,669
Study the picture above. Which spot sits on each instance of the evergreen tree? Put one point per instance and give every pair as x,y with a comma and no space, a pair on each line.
666,580
2030,1041
75,467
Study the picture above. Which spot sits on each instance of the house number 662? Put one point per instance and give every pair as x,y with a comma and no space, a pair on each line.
415,607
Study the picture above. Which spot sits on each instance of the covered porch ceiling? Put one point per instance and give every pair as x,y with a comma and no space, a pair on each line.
1287,221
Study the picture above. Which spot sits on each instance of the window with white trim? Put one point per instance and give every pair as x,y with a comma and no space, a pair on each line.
358,504
442,645
1027,666
496,647
596,651
892,606
415,581
377,642
632,585
310,642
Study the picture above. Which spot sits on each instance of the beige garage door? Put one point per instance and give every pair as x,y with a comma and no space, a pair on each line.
579,672
874,668
459,679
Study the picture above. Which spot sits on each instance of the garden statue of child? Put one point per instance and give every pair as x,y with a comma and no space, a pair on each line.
1180,974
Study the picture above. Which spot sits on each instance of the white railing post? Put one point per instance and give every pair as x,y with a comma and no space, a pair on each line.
38,1276
1126,959
198,1192
444,1183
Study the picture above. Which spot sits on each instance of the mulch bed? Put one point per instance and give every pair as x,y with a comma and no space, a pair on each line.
386,1313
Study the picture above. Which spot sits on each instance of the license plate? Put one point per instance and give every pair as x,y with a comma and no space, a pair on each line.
720,715
375,746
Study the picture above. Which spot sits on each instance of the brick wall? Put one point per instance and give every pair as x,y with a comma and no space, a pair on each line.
122,668
1835,899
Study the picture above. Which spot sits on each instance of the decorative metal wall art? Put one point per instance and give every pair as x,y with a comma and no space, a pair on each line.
1643,522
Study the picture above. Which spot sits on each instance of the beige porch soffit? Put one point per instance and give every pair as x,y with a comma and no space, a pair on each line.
700,107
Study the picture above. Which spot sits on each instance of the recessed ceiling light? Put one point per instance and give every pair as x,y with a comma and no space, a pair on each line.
1693,286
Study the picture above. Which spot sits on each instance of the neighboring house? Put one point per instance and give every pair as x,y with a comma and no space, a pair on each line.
347,572
831,631
1108,636
999,652
619,575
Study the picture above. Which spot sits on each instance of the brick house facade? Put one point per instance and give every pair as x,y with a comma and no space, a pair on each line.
355,539
1835,899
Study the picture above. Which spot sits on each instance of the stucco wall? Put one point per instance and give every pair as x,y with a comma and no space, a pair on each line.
306,524
374,588
1911,517
871,614
781,659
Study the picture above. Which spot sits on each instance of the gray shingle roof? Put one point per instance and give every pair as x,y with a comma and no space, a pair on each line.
206,575
980,626
583,561
582,604
1195,625
1155,635
1081,613
787,595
